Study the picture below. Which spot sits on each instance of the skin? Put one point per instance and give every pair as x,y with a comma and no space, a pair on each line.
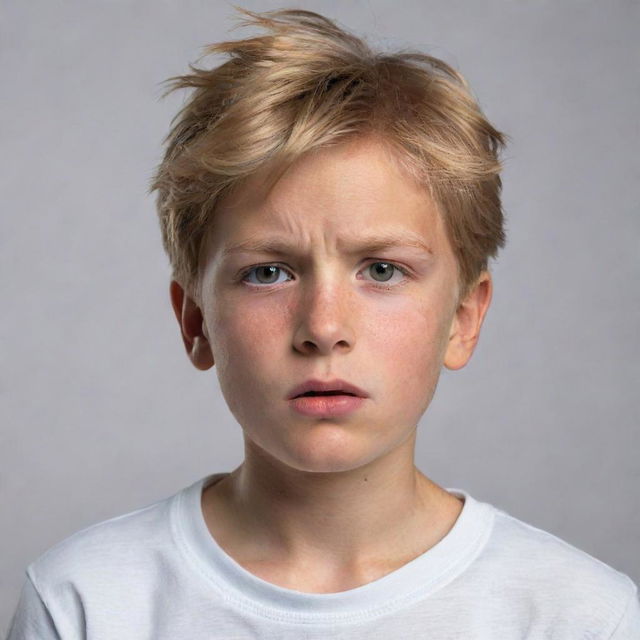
325,505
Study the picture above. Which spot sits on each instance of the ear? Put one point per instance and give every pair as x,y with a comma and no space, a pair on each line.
465,327
192,327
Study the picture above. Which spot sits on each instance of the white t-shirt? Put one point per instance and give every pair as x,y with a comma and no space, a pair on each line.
157,573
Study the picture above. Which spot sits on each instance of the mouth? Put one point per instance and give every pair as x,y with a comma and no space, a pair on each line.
326,405
310,394
313,387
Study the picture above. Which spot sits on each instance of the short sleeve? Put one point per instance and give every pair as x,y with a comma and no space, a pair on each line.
629,626
32,620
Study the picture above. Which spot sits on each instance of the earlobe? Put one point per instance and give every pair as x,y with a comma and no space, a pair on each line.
190,320
465,328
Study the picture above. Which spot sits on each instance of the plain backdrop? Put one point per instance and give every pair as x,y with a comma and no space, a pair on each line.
101,411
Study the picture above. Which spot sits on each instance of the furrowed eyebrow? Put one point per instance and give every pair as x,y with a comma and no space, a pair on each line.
363,245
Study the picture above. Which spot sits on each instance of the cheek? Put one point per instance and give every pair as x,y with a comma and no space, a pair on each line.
408,332
409,345
245,332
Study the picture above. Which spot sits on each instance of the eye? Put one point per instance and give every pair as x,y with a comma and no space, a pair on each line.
265,274
383,272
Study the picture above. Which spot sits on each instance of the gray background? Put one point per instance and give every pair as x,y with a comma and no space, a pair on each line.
101,411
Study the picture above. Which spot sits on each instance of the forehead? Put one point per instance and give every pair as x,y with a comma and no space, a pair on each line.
336,195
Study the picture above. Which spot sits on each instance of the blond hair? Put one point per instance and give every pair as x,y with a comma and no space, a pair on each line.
307,83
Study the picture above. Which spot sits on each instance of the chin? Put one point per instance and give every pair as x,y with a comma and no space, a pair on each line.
321,447
328,450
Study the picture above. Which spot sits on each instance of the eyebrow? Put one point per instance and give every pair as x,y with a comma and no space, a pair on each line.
364,244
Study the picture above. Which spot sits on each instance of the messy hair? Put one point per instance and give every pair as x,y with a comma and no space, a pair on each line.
307,83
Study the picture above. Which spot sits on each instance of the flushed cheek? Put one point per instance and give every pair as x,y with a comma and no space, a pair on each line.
408,353
247,327
408,334
247,345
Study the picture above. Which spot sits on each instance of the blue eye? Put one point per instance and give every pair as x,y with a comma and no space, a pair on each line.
383,269
267,274
266,270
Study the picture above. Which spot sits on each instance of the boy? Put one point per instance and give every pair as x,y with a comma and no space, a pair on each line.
329,213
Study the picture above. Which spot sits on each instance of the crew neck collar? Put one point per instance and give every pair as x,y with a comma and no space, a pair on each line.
413,581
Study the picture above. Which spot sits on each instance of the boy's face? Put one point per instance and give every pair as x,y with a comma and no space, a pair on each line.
328,307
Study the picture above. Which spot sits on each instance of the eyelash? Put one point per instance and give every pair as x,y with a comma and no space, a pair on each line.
381,285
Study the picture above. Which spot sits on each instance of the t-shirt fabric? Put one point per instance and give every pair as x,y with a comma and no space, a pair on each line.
157,573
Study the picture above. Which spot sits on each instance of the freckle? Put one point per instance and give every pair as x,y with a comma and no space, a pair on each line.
365,480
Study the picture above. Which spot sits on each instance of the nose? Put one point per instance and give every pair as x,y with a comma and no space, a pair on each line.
324,318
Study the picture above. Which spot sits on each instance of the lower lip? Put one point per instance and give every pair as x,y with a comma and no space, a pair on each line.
326,406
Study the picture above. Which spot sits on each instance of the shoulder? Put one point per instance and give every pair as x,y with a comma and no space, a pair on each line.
105,552
559,580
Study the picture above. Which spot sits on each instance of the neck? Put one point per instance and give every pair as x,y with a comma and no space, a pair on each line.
385,512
